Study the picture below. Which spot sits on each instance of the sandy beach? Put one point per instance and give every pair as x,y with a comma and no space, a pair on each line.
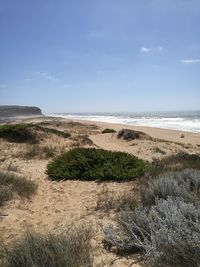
57,204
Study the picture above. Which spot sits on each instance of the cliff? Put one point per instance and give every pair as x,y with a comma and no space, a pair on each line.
14,111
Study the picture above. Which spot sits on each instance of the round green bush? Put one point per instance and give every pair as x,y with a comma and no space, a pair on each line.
95,164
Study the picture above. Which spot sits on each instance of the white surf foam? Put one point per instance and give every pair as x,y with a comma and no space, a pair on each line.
174,123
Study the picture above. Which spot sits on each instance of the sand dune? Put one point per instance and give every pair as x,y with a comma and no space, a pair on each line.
58,204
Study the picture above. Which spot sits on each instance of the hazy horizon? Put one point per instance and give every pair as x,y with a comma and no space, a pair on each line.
100,56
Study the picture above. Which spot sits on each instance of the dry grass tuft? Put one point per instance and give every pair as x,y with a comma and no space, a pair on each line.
71,248
12,183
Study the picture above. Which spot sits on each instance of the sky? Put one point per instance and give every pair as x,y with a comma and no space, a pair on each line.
100,55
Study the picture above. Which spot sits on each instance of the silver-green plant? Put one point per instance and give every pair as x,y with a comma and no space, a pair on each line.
167,229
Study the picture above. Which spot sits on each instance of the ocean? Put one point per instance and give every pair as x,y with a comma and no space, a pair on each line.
183,120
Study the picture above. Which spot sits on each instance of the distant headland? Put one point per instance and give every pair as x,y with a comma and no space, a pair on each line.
14,111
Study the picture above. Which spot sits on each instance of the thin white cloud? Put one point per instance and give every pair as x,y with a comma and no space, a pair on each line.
190,61
145,49
148,50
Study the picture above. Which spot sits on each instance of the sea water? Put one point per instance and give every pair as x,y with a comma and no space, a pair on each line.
181,120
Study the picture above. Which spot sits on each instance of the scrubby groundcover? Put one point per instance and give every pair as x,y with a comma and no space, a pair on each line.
95,164
164,226
19,133
70,248
24,133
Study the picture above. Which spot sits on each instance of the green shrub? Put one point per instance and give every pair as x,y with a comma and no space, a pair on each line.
69,249
95,164
107,130
19,133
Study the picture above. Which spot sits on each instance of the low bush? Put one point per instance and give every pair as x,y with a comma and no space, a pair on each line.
184,184
108,130
17,184
176,162
69,249
168,233
130,135
26,133
95,164
19,133
164,225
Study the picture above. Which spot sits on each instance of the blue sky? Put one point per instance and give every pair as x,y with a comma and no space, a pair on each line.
100,55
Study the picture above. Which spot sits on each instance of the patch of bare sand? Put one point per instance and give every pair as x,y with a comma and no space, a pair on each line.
145,149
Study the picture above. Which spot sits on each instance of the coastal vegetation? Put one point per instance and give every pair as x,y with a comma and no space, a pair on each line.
11,183
26,133
175,162
69,248
164,225
95,164
130,135
19,133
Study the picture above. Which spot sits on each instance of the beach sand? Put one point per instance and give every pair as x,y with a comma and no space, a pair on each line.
57,204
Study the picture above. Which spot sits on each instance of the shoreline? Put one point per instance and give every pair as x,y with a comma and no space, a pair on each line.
159,133
174,121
